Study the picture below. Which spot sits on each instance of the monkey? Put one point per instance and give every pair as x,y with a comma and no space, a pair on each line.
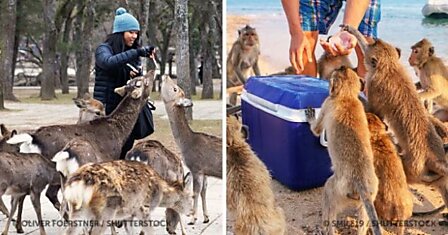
288,71
243,57
394,200
327,63
393,97
432,73
249,192
354,181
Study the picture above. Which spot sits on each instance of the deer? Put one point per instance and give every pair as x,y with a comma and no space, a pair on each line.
89,108
108,133
118,190
24,174
168,165
202,153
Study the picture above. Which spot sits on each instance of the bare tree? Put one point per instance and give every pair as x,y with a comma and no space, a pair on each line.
8,25
208,41
182,51
49,51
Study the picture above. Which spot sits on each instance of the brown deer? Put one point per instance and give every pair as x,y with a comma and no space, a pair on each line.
108,133
202,153
117,190
168,165
24,174
89,108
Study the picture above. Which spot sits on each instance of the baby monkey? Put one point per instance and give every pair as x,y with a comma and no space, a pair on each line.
394,200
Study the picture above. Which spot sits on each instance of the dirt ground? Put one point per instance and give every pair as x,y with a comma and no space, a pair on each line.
303,209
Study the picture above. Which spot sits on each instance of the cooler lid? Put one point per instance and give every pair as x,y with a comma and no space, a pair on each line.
293,91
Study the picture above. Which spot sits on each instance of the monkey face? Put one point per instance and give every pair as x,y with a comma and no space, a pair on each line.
380,54
421,51
248,36
346,80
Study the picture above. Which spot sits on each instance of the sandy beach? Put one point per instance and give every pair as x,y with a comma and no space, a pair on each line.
303,209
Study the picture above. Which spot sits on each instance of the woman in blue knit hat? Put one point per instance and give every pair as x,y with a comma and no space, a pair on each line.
112,70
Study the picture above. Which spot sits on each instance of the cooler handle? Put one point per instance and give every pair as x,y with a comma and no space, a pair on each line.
323,138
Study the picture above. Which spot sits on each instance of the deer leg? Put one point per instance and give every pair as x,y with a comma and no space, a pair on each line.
204,202
197,188
19,228
172,218
14,203
3,208
35,199
52,195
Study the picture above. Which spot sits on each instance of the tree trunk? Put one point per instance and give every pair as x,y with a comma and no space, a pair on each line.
65,55
144,10
84,61
49,51
182,53
8,20
208,42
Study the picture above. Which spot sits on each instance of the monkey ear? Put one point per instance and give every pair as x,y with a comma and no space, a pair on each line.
239,32
334,87
431,51
373,62
398,51
363,83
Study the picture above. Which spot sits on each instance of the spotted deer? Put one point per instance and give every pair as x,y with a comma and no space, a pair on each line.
119,189
202,153
168,165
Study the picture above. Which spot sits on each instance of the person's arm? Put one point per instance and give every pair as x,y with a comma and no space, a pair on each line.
342,43
355,11
298,44
106,60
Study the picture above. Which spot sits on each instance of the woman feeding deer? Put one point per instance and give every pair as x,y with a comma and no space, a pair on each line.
117,60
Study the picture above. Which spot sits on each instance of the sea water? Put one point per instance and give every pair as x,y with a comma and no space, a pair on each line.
402,24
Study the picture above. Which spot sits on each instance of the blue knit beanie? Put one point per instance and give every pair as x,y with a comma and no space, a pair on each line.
124,21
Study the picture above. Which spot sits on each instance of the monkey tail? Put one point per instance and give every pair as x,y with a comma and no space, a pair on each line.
436,210
371,212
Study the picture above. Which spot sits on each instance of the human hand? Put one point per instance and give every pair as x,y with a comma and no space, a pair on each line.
341,43
299,45
146,51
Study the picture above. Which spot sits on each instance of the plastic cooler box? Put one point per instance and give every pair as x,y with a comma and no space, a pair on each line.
273,108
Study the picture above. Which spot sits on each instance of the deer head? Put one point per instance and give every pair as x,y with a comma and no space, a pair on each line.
89,108
137,87
172,93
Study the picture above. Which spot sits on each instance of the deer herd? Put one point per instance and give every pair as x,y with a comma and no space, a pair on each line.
82,161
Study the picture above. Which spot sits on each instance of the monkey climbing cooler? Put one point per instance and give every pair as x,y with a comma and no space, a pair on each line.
273,108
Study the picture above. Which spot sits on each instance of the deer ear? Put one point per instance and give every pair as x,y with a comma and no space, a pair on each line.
3,130
80,103
120,90
13,133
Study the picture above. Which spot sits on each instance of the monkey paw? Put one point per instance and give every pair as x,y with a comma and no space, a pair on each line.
310,114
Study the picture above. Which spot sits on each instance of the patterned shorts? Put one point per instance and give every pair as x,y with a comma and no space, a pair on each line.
321,14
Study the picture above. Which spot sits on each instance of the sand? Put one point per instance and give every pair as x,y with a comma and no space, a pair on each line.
303,209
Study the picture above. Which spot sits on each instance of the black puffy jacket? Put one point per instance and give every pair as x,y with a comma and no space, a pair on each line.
111,72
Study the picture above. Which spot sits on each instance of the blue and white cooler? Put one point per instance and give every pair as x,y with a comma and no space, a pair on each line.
273,108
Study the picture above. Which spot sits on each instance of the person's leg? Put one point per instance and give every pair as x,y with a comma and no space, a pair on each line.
309,11
317,18
369,28
310,67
